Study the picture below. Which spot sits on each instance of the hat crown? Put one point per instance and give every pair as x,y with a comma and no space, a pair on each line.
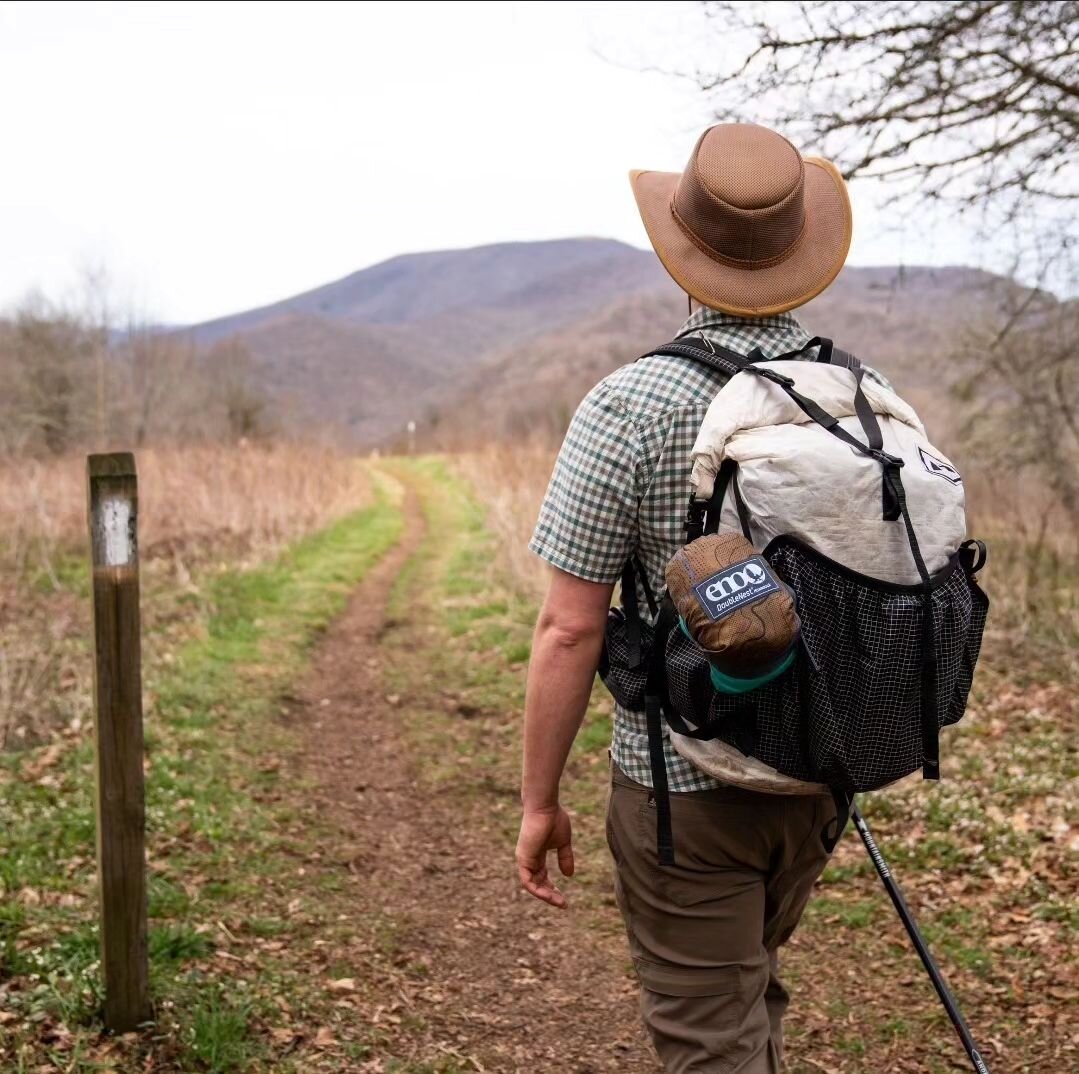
741,199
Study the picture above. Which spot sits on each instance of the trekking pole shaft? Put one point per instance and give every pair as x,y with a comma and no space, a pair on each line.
909,924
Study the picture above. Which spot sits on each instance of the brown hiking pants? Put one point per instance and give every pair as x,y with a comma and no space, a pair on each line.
705,932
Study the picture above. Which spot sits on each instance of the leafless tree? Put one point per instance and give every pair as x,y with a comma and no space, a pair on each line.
975,102
165,397
74,381
46,356
1021,386
229,367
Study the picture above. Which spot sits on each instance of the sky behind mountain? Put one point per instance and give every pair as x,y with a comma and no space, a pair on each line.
218,156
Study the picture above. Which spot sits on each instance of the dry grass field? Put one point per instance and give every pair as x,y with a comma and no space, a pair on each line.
201,507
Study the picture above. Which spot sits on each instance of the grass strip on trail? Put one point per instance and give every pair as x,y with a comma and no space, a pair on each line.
470,736
224,830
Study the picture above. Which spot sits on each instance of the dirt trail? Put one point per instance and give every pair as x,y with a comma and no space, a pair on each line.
475,976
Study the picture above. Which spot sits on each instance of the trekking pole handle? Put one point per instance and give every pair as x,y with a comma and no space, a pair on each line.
900,904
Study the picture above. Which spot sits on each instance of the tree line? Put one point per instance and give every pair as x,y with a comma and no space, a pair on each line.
72,381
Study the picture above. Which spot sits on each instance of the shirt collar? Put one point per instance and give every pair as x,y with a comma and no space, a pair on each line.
773,336
705,318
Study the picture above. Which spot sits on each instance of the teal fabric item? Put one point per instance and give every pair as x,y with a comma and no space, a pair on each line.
727,684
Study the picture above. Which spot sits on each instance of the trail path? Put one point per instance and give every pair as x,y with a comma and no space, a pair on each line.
467,973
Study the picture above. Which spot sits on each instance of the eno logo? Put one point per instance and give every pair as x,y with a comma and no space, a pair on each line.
748,575
939,467
742,583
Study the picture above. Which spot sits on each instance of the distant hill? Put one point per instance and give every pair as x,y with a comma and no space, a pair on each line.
903,321
384,345
497,340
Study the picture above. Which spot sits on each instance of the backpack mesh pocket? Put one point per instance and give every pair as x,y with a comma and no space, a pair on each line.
625,680
849,712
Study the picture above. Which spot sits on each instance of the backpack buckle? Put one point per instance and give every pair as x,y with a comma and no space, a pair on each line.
694,522
772,375
889,462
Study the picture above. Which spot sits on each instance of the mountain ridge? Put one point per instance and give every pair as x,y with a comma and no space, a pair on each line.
512,334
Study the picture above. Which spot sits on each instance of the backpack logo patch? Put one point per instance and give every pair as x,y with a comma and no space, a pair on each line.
939,467
730,589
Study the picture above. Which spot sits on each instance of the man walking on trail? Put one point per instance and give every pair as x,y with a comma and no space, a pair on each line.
750,231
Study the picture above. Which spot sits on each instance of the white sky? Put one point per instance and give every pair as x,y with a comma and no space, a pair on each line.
217,156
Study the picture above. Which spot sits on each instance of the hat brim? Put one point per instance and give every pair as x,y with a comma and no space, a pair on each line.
815,261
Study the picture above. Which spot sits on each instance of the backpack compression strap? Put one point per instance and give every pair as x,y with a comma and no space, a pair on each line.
631,607
658,707
657,702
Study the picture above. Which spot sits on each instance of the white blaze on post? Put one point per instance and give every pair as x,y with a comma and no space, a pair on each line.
114,521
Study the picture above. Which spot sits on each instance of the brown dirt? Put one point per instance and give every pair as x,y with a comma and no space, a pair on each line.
456,970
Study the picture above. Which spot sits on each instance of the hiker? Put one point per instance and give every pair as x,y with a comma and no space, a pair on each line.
750,231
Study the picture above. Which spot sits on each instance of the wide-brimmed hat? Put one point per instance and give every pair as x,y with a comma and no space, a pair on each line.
750,227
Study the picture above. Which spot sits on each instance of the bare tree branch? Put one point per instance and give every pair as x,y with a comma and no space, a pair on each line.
971,101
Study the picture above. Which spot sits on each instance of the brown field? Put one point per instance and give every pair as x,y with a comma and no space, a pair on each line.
199,506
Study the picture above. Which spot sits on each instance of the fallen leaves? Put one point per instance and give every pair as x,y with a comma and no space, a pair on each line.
36,768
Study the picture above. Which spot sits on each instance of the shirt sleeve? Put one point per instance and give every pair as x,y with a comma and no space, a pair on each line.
588,521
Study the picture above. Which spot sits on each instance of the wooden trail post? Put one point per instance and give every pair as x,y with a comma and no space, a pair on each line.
112,499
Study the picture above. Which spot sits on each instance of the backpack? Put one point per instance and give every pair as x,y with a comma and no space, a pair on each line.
863,519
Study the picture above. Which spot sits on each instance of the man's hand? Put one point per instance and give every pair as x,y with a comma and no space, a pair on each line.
565,651
542,831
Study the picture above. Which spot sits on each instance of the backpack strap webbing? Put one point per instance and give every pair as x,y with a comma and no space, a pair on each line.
631,610
658,707
633,570
657,700
702,350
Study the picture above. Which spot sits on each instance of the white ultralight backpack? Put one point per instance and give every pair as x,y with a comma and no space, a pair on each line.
830,476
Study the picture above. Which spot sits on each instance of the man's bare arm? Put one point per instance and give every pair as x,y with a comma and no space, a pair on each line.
565,652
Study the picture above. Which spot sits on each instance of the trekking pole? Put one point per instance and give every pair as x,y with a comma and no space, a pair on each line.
905,916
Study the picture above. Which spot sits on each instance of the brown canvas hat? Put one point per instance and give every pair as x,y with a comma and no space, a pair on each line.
750,227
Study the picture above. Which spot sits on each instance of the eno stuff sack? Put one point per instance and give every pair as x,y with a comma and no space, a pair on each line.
839,629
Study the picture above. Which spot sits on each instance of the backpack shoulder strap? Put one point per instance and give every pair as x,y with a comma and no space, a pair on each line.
704,351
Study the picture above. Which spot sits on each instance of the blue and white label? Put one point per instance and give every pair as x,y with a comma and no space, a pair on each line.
743,583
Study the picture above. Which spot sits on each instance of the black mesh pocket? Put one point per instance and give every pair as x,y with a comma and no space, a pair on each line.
620,675
849,712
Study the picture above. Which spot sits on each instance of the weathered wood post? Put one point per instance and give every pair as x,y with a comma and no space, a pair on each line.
112,493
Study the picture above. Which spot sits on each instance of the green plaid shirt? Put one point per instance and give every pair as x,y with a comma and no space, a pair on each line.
621,483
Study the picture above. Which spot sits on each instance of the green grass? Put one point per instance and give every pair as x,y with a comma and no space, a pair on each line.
218,826
218,1037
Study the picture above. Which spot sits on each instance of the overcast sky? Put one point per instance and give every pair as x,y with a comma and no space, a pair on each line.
218,156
